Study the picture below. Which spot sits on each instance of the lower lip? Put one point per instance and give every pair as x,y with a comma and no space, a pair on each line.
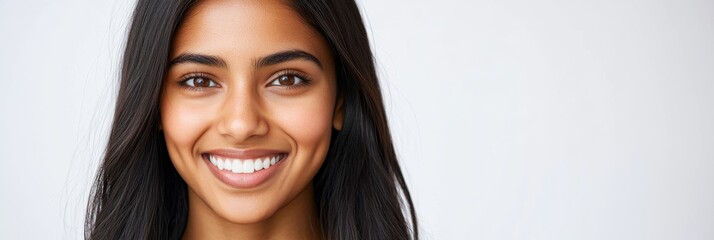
243,180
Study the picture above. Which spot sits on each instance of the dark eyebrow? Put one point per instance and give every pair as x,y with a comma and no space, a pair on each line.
199,59
271,59
285,56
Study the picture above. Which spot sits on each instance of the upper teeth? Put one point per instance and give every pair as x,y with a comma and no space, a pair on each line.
245,165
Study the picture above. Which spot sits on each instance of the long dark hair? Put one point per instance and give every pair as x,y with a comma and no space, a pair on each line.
360,190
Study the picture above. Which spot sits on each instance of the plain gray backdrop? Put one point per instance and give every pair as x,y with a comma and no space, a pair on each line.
513,119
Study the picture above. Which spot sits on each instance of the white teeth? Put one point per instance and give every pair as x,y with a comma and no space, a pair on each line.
219,163
245,166
228,165
237,166
266,163
258,164
248,166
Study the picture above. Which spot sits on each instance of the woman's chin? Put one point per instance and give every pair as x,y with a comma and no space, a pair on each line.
246,213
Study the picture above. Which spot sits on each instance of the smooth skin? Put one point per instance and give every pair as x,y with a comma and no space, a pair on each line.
240,101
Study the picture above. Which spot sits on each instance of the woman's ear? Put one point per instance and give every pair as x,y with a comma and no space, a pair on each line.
339,113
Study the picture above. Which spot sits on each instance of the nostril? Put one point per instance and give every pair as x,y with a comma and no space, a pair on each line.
241,127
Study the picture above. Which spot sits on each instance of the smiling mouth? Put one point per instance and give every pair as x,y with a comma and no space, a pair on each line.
245,165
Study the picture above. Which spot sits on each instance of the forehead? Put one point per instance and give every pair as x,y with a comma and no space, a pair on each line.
236,30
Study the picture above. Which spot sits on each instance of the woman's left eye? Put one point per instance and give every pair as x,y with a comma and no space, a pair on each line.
199,82
289,80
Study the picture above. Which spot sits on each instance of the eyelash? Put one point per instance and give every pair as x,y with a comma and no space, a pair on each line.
305,80
190,76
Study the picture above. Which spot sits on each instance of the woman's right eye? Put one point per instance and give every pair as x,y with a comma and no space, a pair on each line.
199,82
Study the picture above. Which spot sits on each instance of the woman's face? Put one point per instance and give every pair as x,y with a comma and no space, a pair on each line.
248,106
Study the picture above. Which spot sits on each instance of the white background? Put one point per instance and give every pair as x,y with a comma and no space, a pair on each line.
513,119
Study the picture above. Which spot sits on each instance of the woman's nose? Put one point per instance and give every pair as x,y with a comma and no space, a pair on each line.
242,117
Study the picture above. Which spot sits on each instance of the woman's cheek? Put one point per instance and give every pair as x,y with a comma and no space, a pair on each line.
184,122
307,120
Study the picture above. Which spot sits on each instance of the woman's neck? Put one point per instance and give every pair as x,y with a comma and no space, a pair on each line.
297,220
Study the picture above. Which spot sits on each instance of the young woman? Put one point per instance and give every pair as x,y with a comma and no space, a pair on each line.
249,120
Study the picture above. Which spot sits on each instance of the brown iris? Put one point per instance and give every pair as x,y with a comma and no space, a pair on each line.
287,80
201,82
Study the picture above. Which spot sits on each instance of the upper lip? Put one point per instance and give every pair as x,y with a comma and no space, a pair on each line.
243,154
